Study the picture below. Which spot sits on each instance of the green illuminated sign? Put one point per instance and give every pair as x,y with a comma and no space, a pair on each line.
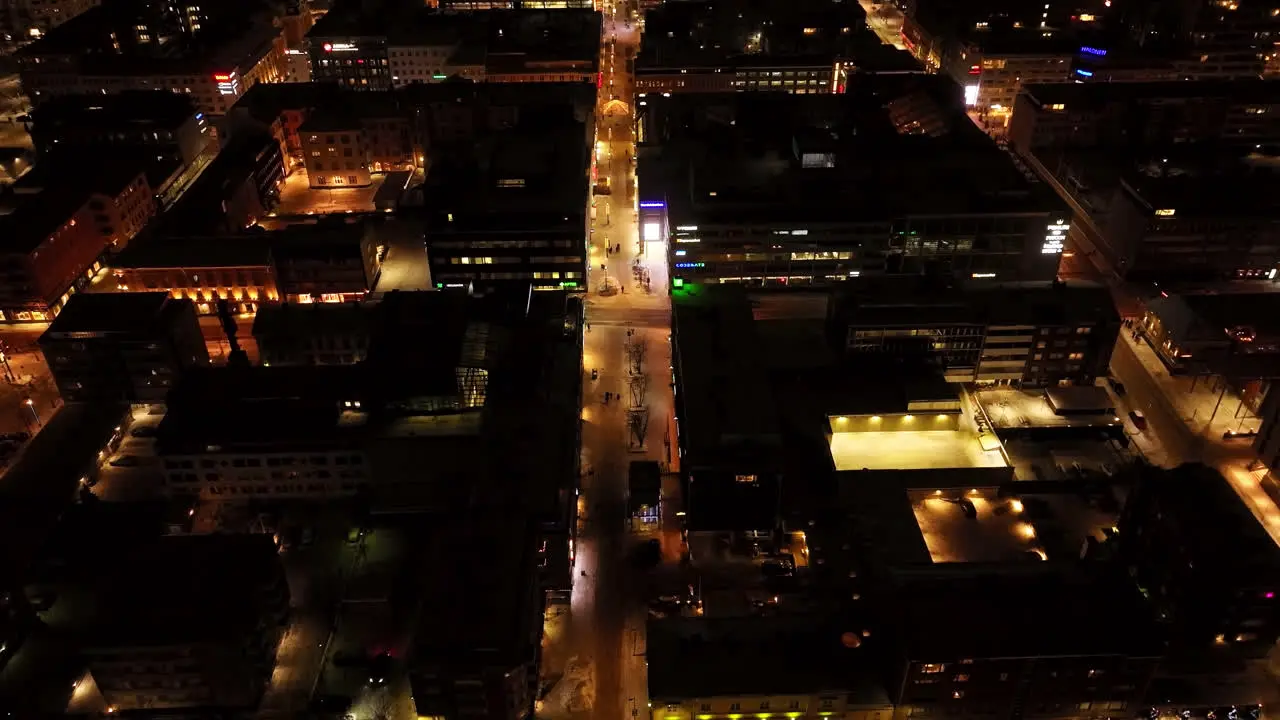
678,282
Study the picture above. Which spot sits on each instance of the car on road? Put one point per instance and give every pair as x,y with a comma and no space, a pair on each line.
125,461
1138,419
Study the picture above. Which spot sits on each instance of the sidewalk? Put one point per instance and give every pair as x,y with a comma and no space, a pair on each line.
1198,400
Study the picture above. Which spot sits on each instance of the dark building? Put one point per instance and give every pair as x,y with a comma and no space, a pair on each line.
476,649
985,646
1032,335
1194,216
711,46
340,262
312,334
511,211
61,219
1207,564
157,122
1244,114
239,187
788,665
211,52
130,347
890,178
187,622
377,49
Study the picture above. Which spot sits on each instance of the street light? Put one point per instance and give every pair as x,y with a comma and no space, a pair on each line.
31,404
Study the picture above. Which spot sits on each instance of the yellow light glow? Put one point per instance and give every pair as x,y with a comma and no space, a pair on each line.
1042,554
842,419
1026,530
937,493
908,418
1015,505
875,418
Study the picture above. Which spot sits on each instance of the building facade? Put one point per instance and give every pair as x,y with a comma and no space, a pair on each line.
122,347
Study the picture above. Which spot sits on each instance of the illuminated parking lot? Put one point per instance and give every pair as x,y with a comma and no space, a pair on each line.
912,450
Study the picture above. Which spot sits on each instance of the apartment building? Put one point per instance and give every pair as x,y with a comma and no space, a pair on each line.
203,270
64,222
122,347
113,47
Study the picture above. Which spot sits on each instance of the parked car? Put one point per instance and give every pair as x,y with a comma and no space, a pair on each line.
1116,385
1138,419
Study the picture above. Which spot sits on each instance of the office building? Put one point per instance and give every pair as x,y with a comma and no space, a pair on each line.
796,667
1192,215
1223,41
890,178
391,48
511,211
1215,590
342,146
213,53
122,347
711,46
155,122
187,622
66,217
1030,335
1243,114
476,649
335,263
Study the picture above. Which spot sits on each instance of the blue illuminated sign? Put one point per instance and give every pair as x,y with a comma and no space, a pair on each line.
690,265
1084,73
653,204
1086,50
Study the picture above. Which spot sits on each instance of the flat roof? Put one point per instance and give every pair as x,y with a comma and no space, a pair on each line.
734,406
126,313
892,146
102,39
125,109
1022,615
1014,409
44,478
157,251
781,655
1096,96
1029,528
912,450
183,588
1197,318
897,301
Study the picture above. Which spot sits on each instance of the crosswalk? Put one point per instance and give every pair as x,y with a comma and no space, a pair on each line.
629,317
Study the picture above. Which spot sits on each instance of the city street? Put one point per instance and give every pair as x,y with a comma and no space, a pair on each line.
628,325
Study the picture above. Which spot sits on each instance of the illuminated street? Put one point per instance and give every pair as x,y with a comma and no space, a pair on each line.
603,633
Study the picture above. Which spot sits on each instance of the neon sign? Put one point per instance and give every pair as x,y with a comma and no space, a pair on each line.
340,47
1097,52
1084,73
227,83
653,204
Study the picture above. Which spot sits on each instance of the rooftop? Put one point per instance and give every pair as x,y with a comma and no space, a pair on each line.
891,147
782,655
891,301
488,615
184,587
50,194
914,449
200,209
1202,504
156,251
772,33
118,110
130,313
1092,614
104,39
1079,97
1200,318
